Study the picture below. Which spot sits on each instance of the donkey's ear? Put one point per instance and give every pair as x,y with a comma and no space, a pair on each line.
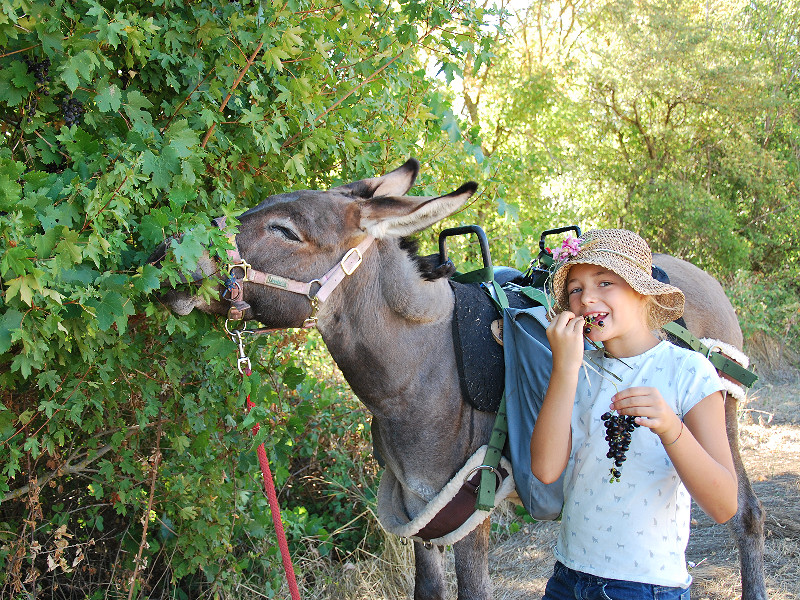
400,216
395,183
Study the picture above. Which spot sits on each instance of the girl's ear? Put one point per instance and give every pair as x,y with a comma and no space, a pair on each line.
649,306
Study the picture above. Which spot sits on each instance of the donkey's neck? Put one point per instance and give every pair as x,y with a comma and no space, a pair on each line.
388,329
390,332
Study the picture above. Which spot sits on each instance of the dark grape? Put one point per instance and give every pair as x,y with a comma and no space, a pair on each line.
591,321
619,429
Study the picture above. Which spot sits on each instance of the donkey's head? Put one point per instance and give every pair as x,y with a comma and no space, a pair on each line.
294,248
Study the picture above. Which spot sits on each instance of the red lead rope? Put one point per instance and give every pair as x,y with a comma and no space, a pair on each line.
275,508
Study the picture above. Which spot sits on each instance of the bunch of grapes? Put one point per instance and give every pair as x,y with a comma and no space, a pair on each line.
591,321
618,435
73,110
40,71
30,106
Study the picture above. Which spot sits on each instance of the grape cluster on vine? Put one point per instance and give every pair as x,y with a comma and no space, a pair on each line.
73,110
619,429
40,71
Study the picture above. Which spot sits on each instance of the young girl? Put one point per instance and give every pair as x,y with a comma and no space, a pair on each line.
625,521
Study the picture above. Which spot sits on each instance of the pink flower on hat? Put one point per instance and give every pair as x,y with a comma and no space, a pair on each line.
569,247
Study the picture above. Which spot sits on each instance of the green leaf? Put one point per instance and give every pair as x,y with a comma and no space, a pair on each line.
15,83
77,67
111,308
64,214
182,139
17,260
10,189
32,445
135,107
180,443
147,280
293,376
10,321
23,287
162,167
68,250
108,97
188,250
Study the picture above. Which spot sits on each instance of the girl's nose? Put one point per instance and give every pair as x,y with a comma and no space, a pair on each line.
587,297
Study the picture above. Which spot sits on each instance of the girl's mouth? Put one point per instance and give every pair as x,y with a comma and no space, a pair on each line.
594,320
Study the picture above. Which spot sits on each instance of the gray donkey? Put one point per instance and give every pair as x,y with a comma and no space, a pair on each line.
337,259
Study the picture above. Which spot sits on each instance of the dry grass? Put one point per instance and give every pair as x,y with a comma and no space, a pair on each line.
520,563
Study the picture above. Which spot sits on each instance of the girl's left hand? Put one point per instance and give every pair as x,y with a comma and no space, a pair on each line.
649,408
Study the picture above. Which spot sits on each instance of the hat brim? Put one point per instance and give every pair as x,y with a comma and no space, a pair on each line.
669,300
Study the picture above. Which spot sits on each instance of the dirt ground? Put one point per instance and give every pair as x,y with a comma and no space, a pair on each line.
770,445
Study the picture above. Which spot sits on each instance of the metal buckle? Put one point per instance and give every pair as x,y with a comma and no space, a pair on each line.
311,321
242,360
244,266
312,293
485,468
350,252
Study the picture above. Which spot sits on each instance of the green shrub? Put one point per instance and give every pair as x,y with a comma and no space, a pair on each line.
125,124
767,305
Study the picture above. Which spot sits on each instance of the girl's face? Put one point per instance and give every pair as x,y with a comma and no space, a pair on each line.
596,292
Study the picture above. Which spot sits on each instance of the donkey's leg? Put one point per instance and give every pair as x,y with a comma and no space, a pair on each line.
747,526
472,564
429,582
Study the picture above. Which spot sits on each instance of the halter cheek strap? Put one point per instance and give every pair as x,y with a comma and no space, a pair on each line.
316,290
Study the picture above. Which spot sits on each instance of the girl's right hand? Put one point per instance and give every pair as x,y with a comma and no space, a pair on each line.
565,334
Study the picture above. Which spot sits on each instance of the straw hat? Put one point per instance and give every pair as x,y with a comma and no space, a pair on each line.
627,255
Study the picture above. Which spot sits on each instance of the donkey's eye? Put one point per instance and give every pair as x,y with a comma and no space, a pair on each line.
285,232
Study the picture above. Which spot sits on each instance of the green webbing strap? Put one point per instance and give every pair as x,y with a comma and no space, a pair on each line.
489,480
477,276
722,363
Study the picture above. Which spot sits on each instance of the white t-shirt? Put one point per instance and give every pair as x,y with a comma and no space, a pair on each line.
635,529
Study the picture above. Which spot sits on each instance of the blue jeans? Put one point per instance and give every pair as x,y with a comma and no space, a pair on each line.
567,584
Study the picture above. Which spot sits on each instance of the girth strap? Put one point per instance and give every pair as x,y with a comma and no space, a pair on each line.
722,363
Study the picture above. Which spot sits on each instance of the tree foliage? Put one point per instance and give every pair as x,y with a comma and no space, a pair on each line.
676,118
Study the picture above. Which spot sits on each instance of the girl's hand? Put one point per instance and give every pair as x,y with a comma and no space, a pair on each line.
650,410
565,334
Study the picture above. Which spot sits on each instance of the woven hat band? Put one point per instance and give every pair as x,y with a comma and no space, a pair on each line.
647,269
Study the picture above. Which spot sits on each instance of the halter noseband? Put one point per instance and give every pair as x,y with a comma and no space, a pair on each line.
316,290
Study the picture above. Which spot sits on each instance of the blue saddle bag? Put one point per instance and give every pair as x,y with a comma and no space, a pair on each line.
528,363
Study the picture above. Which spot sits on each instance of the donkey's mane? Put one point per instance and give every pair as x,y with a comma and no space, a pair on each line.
429,267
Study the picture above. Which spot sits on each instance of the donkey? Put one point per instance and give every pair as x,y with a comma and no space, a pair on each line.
388,327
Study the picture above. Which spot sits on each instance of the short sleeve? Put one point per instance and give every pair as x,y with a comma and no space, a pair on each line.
698,379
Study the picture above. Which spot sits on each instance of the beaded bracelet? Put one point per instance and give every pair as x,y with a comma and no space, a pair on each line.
677,438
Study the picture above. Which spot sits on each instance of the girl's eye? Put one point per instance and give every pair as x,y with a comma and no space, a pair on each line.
285,232
605,283
573,290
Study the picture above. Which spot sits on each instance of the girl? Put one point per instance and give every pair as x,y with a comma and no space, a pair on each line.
625,521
